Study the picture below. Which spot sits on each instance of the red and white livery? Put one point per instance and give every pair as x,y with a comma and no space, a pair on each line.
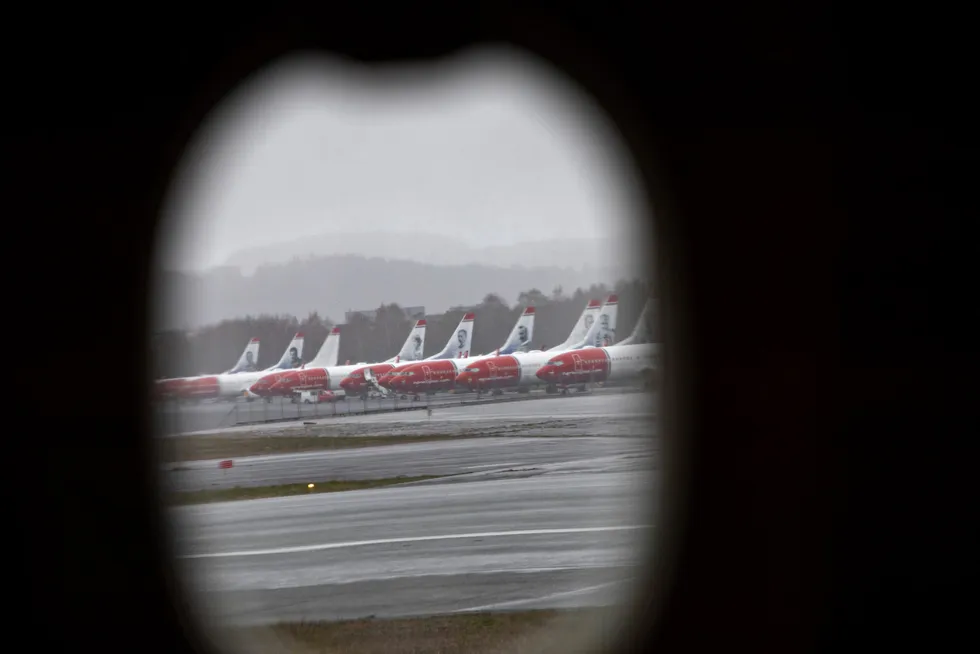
602,364
235,384
313,378
519,371
434,376
167,388
457,347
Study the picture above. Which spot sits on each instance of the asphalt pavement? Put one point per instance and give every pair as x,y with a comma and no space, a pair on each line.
545,508
554,540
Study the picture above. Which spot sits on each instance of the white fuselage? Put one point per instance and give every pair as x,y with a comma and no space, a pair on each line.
631,361
237,383
337,374
529,363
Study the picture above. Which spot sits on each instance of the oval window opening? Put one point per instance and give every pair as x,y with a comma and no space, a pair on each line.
341,246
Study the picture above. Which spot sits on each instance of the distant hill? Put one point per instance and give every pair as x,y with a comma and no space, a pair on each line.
429,248
331,285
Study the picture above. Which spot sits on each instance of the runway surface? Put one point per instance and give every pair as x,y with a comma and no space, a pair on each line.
524,521
554,540
191,418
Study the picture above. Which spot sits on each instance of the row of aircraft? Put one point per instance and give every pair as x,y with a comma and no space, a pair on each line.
587,355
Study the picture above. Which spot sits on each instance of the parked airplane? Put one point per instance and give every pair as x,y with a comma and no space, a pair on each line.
518,371
457,347
326,357
432,376
355,384
364,379
246,363
600,364
231,385
313,378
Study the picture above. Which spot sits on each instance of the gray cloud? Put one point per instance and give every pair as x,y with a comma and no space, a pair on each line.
491,149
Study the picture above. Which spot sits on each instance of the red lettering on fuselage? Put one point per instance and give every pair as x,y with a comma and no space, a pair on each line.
439,375
586,366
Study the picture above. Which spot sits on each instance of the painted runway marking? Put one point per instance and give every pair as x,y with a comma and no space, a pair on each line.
531,600
409,539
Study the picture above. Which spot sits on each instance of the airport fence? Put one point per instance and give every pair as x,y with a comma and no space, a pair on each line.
177,418
284,410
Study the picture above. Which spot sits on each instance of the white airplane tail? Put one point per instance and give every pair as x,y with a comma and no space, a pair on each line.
520,337
581,328
329,351
603,331
459,343
414,344
293,356
249,359
642,332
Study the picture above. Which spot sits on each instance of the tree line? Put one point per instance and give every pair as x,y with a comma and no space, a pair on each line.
216,348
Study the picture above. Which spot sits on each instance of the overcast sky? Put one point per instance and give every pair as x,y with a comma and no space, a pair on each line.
492,149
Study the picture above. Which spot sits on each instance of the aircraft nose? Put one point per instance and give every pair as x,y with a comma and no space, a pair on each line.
546,373
346,383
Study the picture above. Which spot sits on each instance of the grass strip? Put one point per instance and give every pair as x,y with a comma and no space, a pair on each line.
551,630
180,498
200,448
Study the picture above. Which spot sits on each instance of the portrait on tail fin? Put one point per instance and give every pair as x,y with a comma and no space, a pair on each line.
417,351
249,362
522,337
294,360
461,337
606,334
